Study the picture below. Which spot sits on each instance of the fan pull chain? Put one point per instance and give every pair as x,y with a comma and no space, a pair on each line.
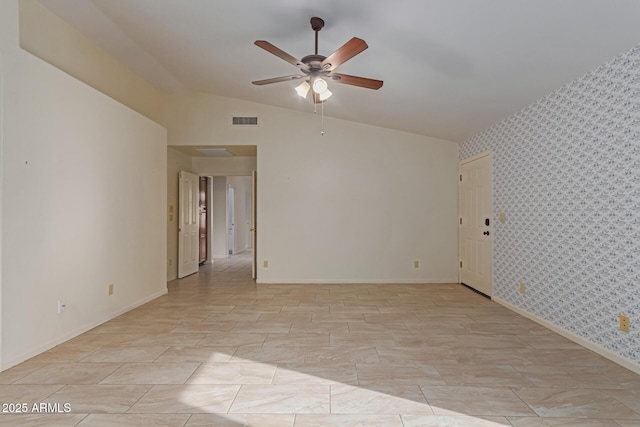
322,128
315,111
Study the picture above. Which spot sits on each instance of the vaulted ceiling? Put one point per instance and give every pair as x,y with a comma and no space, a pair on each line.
451,68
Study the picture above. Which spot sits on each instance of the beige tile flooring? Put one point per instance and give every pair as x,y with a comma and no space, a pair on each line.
219,350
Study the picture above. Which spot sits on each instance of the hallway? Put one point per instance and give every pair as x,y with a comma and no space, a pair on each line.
234,269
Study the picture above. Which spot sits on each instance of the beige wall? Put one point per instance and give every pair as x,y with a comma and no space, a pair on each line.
84,198
50,38
359,204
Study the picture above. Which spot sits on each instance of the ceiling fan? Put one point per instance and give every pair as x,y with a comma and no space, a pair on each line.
316,68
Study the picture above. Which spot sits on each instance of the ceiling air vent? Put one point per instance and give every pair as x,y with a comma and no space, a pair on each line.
244,121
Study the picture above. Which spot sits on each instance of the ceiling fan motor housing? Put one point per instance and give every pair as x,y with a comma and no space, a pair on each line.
314,62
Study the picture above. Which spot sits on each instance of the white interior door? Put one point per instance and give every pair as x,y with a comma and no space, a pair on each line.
475,224
231,220
188,238
253,224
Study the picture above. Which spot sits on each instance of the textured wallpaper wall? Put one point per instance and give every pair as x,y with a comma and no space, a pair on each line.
566,172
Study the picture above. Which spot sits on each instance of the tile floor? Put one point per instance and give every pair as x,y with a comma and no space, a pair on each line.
219,350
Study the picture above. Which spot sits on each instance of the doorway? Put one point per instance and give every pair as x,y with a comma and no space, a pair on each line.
231,220
219,170
231,215
475,192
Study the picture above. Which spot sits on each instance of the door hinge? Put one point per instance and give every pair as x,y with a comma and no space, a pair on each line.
460,178
460,264
460,221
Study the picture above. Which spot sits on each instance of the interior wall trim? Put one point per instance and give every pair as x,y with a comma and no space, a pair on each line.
616,358
78,331
447,281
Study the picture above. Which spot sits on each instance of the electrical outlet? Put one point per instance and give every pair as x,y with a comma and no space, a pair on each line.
416,264
61,306
523,288
624,323
111,289
265,264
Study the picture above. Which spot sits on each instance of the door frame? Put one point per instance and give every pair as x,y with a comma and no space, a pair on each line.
203,210
460,195
231,219
254,222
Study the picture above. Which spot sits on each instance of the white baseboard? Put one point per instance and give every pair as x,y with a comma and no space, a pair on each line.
355,281
78,331
596,348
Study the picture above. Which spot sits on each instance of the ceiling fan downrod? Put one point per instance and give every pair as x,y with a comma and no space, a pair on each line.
316,25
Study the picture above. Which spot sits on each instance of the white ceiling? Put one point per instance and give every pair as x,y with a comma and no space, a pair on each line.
451,68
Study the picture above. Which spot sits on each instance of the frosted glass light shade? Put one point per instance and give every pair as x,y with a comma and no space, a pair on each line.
319,85
325,95
303,89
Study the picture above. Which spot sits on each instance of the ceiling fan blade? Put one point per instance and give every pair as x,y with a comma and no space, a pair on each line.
278,79
344,53
356,81
280,54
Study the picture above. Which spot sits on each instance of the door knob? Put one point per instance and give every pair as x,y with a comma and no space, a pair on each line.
486,233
